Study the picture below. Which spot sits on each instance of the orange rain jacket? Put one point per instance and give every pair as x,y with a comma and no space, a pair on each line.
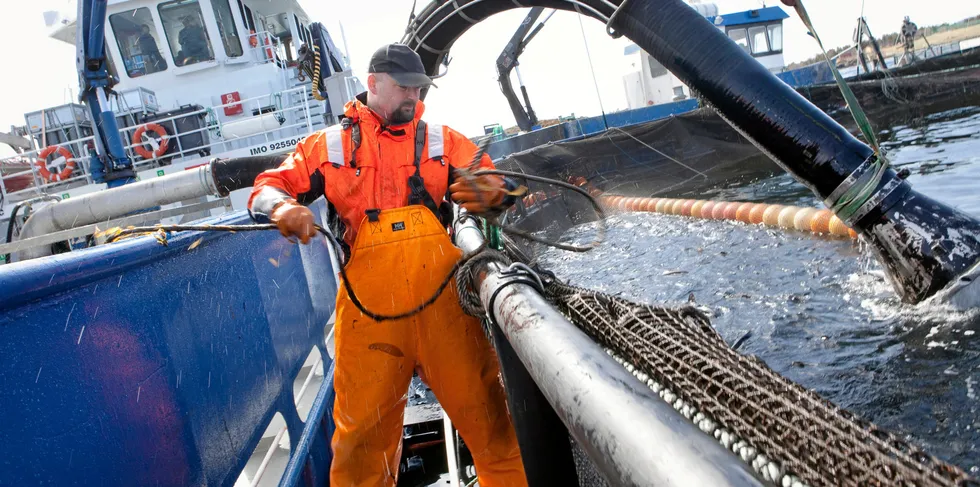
375,177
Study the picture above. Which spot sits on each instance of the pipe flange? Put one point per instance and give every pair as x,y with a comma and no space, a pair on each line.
890,187
522,269
849,182
518,273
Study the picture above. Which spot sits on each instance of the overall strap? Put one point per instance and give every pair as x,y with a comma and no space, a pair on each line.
348,123
419,195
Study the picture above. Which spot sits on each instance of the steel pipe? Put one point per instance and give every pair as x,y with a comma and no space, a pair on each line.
218,178
923,244
630,433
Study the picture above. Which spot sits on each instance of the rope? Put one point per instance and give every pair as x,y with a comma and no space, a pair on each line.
211,122
315,83
469,300
159,232
481,254
858,194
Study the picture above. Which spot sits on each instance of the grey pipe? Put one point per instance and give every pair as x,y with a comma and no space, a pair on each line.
630,433
217,178
113,203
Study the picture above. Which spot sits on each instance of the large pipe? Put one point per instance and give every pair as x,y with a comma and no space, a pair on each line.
218,178
630,433
546,450
924,245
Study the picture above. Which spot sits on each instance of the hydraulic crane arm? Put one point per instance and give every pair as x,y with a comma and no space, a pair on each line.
96,83
507,61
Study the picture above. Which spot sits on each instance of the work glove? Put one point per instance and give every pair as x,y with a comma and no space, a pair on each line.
294,220
485,197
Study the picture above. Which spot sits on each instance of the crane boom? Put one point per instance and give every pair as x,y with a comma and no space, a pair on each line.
96,83
508,61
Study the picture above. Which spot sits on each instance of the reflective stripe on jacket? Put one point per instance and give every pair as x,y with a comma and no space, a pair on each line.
375,177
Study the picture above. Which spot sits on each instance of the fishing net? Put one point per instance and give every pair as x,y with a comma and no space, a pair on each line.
664,157
790,435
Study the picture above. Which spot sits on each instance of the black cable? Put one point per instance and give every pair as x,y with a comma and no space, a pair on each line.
339,249
10,228
526,235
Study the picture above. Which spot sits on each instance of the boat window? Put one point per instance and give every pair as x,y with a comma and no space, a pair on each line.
136,35
226,28
776,37
299,29
183,23
247,16
656,69
738,35
757,38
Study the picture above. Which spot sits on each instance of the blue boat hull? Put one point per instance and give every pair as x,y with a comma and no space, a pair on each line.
143,364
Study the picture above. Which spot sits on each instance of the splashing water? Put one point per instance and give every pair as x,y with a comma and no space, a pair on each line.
819,310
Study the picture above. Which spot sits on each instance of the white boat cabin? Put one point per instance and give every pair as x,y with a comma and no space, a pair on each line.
759,32
196,79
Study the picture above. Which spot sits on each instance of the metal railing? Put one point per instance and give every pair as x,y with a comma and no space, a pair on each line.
291,109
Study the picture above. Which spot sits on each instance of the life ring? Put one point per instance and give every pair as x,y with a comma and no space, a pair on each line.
138,141
42,163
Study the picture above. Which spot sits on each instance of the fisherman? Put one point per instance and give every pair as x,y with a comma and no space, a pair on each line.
148,47
385,174
193,41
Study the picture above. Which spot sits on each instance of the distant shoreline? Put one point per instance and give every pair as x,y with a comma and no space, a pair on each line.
893,48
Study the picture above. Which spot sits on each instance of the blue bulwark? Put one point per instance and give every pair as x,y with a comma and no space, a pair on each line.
142,364
768,14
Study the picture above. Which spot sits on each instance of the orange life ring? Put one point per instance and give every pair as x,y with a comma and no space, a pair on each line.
138,141
42,163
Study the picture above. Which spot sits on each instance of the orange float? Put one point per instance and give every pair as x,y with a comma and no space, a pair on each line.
755,216
698,208
686,207
742,213
770,217
821,221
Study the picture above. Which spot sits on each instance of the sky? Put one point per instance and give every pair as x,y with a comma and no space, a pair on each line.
41,71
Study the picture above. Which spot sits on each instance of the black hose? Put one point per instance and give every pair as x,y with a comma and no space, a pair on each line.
240,172
923,244
339,248
10,228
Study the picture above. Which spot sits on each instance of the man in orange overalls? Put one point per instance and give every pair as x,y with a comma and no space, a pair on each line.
385,173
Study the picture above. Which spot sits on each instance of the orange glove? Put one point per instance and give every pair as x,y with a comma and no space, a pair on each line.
483,197
294,220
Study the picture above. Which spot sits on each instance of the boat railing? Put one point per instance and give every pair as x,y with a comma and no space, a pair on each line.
279,119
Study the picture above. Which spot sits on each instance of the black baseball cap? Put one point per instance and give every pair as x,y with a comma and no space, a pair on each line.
401,63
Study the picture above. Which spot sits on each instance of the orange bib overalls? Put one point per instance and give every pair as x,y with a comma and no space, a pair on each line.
397,262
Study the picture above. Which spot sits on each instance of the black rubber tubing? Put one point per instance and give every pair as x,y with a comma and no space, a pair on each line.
923,244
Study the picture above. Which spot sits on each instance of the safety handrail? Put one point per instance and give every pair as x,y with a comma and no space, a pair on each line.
295,113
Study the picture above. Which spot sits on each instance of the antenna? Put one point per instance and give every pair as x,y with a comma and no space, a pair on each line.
343,36
591,68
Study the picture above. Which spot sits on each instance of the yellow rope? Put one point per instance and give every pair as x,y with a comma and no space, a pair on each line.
315,83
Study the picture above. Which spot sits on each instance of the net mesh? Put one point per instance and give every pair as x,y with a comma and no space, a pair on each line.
813,439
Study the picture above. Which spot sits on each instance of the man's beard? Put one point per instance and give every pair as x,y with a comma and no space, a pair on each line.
404,114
